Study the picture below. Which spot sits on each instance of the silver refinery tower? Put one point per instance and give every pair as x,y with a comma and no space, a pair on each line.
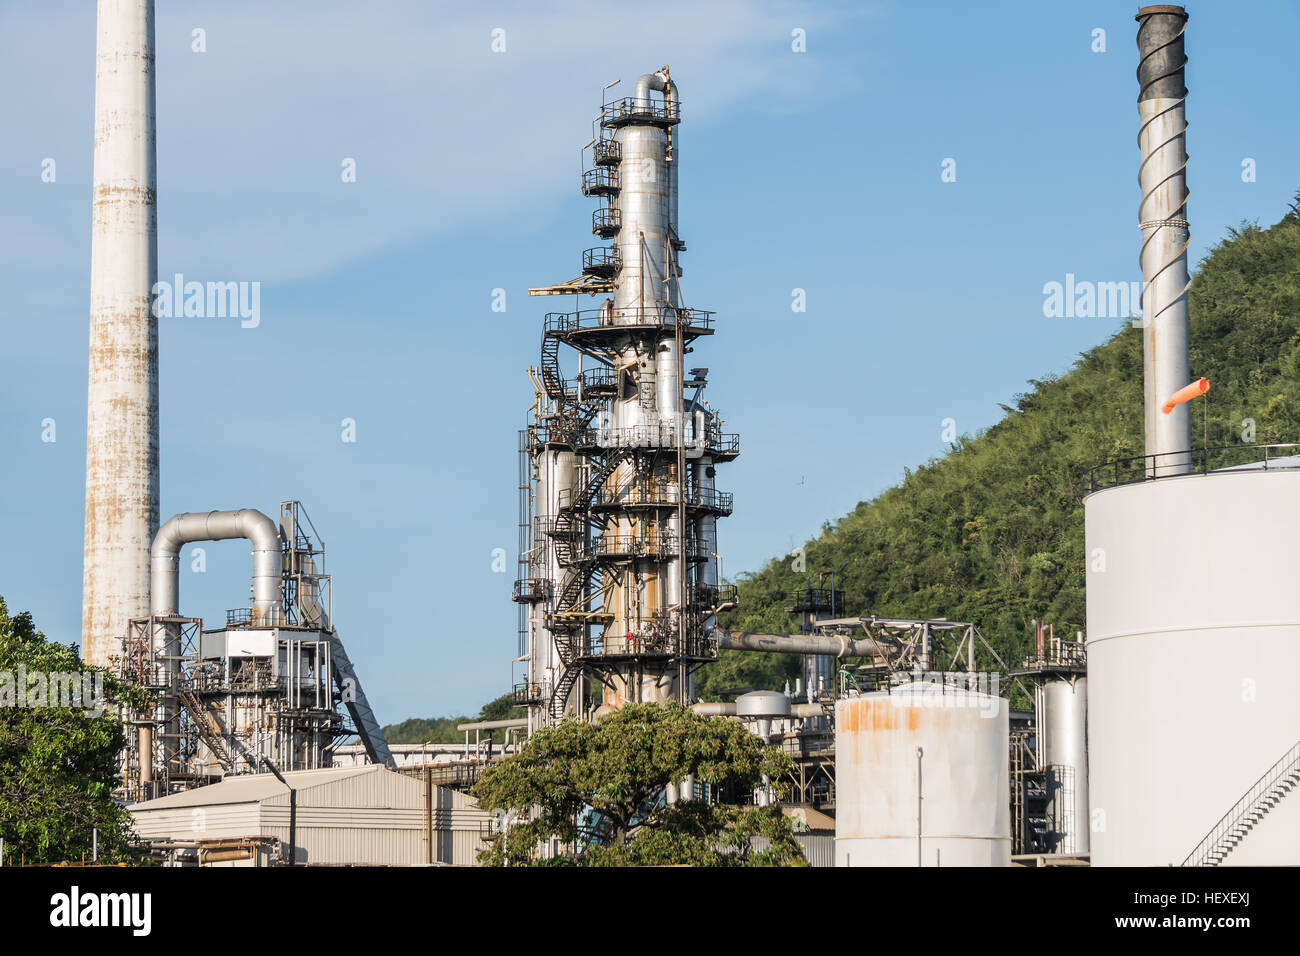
618,537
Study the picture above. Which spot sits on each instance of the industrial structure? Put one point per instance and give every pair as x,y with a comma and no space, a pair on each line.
618,582
891,724
1057,669
923,777
122,401
1193,613
260,693
359,816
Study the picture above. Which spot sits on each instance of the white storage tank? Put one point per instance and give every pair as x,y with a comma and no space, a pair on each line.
1193,647
965,817
1064,728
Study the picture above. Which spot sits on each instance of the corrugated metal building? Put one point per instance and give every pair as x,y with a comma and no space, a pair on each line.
818,848
345,815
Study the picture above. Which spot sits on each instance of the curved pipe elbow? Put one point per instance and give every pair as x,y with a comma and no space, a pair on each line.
656,81
182,529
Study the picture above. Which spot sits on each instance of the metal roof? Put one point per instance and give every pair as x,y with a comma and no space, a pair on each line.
252,787
1279,464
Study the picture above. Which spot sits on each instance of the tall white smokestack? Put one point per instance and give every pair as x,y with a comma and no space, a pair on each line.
122,411
1162,140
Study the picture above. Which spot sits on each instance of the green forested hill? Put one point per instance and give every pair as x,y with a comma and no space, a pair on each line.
992,532
442,730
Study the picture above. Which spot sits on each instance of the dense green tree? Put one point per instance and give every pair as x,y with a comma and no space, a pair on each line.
599,788
992,532
58,764
442,730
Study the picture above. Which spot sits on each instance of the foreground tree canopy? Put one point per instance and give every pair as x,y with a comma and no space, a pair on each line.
599,790
58,763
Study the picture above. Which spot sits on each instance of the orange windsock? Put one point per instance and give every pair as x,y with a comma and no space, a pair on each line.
1187,393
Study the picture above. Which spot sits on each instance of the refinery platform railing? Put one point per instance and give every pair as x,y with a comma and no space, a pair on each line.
662,434
647,545
584,320
1194,461
629,109
661,494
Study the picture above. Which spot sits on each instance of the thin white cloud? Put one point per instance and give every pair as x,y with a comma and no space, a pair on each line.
446,134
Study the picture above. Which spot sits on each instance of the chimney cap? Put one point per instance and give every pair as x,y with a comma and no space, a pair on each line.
1171,8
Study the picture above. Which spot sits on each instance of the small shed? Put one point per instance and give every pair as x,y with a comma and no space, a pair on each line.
366,815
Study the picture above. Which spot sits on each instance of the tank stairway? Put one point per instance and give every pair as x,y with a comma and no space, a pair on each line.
1267,792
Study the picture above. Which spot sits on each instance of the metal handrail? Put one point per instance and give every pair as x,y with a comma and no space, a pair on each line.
631,544
527,692
605,219
532,589
816,600
606,151
707,596
660,435
723,443
600,257
663,493
629,108
599,377
1288,764
661,316
1200,461
602,179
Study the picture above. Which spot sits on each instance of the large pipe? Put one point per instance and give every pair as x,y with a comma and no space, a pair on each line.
728,709
656,81
164,578
1162,215
248,523
507,724
122,393
833,645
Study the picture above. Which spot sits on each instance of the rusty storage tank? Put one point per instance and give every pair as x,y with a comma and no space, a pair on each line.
922,778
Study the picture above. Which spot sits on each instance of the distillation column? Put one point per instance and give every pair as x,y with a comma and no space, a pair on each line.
649,407
626,533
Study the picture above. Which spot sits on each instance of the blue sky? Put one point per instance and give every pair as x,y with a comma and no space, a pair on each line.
817,170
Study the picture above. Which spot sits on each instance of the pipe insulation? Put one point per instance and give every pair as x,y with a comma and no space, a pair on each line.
164,590
836,645
182,529
1162,215
728,709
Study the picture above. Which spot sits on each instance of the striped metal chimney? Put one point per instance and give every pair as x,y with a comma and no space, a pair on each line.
1162,140
122,407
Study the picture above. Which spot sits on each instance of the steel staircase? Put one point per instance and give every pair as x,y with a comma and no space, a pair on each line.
562,691
570,537
208,728
551,376
1266,793
573,414
570,528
